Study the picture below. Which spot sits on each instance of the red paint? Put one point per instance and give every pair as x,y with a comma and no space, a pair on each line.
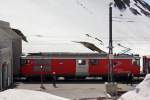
100,68
146,64
67,67
63,66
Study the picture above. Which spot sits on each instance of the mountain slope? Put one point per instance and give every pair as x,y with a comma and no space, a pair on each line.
51,25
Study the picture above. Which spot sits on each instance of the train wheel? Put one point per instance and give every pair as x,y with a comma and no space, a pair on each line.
29,79
82,78
68,78
105,78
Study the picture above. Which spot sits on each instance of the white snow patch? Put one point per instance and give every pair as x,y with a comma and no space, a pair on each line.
21,94
141,92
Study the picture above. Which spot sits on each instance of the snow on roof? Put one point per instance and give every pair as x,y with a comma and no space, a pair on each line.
22,94
141,91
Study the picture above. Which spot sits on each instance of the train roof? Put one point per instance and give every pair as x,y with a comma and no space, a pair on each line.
76,55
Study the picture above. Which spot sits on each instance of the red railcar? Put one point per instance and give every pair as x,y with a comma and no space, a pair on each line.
146,64
78,64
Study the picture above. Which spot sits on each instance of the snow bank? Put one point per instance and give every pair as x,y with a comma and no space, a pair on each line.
141,92
21,94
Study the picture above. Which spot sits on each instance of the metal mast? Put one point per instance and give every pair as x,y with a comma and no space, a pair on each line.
110,76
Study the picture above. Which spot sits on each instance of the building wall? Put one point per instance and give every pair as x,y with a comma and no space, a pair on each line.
5,68
16,45
10,52
17,49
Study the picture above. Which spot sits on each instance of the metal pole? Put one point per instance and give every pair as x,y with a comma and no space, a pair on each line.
42,87
110,31
110,77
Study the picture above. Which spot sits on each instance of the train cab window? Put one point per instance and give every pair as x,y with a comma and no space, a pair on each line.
136,62
93,61
81,62
41,61
24,61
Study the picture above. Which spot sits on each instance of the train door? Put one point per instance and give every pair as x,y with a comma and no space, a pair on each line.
45,63
82,67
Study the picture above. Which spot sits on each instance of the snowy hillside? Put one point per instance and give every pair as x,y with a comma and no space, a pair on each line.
52,25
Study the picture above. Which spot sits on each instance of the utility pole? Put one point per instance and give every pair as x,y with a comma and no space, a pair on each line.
111,87
110,55
42,86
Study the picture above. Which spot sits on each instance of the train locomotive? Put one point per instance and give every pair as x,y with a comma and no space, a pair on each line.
78,65
146,64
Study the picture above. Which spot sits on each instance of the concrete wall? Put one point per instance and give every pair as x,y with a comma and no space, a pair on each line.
16,49
10,52
5,68
16,44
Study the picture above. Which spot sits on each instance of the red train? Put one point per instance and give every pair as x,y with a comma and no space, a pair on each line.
81,65
146,64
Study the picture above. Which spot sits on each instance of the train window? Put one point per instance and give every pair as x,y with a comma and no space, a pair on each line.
61,61
93,61
41,61
136,62
81,62
24,61
115,63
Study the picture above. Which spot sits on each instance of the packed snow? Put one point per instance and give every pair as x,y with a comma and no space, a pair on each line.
22,94
141,91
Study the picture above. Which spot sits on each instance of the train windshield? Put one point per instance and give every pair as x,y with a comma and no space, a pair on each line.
136,62
24,62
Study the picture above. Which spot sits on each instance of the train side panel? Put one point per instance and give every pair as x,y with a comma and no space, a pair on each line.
79,65
63,67
98,67
26,67
34,67
146,64
120,67
124,66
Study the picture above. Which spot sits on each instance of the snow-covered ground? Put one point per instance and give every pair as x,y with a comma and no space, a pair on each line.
141,91
52,25
22,94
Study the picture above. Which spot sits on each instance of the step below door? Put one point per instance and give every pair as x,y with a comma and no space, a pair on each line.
82,67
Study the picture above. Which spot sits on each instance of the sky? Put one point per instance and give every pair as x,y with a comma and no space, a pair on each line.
52,25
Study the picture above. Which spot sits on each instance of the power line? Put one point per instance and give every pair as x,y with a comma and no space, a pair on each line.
84,6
